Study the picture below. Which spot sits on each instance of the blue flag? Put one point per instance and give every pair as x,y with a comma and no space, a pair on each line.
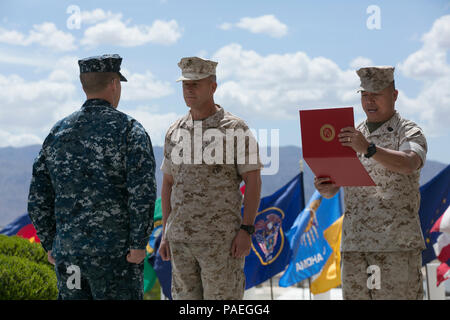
163,269
435,196
310,250
270,250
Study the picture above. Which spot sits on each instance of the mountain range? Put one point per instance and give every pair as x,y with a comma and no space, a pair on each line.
16,167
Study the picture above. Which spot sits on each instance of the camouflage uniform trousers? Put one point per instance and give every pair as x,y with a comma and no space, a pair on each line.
101,278
400,275
206,271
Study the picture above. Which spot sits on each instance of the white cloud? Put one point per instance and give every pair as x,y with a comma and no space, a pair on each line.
18,140
429,65
425,64
267,24
360,62
30,108
226,26
155,124
12,37
144,86
278,85
97,15
113,31
202,54
439,35
65,69
104,28
27,59
430,61
27,118
431,106
45,34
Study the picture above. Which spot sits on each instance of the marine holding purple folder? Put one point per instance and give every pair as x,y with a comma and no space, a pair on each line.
381,229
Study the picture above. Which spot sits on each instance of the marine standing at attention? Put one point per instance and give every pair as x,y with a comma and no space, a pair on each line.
204,235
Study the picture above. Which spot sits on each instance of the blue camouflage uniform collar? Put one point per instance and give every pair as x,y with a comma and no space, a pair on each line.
96,102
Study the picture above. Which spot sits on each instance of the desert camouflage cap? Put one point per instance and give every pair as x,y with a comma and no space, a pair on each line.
104,63
375,79
194,68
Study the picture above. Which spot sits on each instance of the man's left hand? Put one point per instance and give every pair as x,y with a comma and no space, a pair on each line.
350,137
241,245
136,256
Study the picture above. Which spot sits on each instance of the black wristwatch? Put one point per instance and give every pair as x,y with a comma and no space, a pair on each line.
249,228
371,150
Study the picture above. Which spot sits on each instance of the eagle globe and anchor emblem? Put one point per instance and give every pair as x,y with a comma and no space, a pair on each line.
327,132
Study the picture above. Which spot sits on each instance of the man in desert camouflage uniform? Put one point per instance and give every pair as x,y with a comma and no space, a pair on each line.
93,191
204,235
381,235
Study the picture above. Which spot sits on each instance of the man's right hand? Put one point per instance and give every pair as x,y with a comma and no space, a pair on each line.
50,257
164,250
325,187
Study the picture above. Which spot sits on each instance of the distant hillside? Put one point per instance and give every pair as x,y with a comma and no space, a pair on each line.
16,165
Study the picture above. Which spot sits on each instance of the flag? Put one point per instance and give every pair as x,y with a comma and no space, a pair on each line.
435,197
443,223
442,273
157,226
149,275
149,272
163,269
330,276
270,251
22,227
442,246
310,250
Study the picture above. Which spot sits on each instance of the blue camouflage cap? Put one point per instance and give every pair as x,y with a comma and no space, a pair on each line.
104,63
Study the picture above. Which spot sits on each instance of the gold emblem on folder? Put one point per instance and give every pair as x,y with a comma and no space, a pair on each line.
327,132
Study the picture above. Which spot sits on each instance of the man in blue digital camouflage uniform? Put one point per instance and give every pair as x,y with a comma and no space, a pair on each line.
93,192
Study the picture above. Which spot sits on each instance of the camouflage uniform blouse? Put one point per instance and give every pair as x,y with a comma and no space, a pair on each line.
385,217
206,200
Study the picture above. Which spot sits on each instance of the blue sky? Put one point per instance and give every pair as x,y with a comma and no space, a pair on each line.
275,57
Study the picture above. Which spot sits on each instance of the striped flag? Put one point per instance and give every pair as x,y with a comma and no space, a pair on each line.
442,246
443,273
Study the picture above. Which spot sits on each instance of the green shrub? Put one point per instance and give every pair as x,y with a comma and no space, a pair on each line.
20,247
25,273
22,279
